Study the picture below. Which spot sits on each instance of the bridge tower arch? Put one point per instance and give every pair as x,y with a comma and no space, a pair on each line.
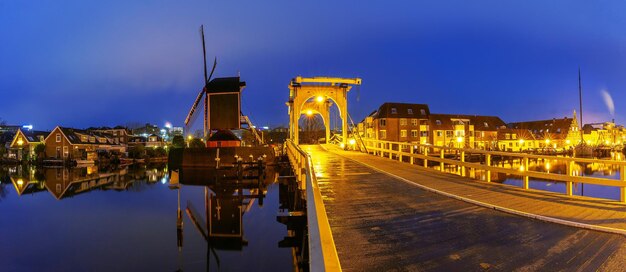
308,95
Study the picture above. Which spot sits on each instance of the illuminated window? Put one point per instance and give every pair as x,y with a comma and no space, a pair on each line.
58,136
65,152
438,133
507,136
448,133
414,133
382,134
403,121
514,136
424,133
394,111
414,122
410,111
403,133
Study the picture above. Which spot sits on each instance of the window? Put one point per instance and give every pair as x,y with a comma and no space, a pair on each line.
414,122
438,133
414,133
65,152
394,111
507,136
514,136
382,134
438,122
486,125
58,154
448,133
58,136
410,111
403,121
83,138
423,111
382,122
423,133
403,133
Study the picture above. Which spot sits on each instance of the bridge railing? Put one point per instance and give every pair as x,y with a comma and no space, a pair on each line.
442,155
322,251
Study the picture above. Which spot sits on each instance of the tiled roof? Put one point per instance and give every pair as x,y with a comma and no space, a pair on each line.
74,136
402,110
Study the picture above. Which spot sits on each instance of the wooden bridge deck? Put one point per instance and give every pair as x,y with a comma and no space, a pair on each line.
383,222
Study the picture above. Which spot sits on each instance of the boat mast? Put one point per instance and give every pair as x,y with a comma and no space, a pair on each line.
580,98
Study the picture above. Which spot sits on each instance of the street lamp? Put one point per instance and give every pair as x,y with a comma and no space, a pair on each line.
320,99
309,112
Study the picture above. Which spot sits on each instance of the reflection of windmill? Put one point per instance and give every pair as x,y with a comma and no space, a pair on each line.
222,102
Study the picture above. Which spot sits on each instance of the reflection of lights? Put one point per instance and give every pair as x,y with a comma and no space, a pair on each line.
342,145
548,166
588,141
607,142
521,168
351,141
164,180
567,141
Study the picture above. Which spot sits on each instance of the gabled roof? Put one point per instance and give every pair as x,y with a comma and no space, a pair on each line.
225,85
31,136
557,126
223,135
402,110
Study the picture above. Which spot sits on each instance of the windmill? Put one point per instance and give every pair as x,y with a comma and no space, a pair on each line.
222,102
203,92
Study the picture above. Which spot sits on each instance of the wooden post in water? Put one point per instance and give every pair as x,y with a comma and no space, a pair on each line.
463,166
441,155
411,149
622,177
525,165
569,185
488,163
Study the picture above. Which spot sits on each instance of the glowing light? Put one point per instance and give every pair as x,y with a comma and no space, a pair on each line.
20,141
521,168
548,166
588,141
342,145
351,141
189,137
20,182
459,139
521,141
547,141
567,141
607,142
320,99
309,112
29,127
168,125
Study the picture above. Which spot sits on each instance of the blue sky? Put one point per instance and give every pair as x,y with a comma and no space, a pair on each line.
92,63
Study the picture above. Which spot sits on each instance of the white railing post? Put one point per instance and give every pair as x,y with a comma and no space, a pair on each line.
525,177
390,145
400,152
411,149
425,157
622,177
441,155
462,166
569,188
488,164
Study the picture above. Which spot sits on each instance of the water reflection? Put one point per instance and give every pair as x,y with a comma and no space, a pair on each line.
68,182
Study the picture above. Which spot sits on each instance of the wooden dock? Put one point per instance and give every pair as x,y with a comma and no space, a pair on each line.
382,220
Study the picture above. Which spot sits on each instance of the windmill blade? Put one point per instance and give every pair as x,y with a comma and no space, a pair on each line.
194,107
212,69
206,79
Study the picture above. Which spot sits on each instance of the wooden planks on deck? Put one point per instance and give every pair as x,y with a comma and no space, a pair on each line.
382,223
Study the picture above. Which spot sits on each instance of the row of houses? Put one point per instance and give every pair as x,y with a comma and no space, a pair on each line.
64,143
414,123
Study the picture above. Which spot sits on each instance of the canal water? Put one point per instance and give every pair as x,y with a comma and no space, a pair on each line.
90,219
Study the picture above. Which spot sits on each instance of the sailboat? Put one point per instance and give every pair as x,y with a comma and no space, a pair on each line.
582,149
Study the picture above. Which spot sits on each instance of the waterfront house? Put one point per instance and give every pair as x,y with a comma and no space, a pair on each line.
509,139
562,133
464,131
75,144
119,134
23,144
399,122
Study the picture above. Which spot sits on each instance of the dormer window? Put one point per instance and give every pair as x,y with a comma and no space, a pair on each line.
394,111
423,111
410,111
438,122
486,125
